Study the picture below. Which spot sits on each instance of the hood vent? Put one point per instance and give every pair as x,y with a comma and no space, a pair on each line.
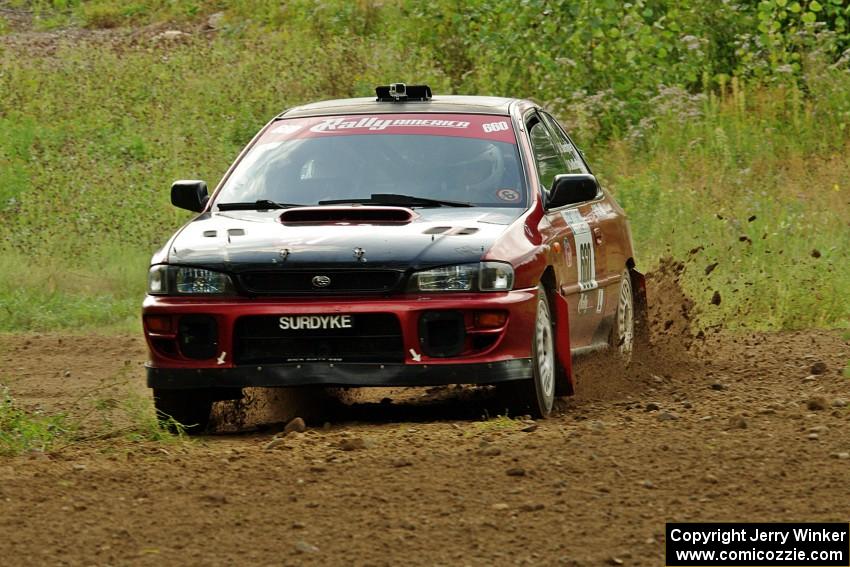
347,215
450,231
437,230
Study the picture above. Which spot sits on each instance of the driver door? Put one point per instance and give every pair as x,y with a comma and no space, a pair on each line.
572,234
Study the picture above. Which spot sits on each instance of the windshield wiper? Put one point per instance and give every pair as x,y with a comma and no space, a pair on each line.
259,205
398,200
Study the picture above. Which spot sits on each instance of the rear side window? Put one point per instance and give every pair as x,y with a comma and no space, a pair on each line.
568,151
547,158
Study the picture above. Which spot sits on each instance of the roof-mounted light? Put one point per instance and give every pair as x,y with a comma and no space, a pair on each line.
399,92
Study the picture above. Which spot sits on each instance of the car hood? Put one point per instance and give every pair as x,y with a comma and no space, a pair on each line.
245,240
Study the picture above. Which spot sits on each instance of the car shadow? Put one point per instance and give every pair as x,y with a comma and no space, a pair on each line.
600,380
268,410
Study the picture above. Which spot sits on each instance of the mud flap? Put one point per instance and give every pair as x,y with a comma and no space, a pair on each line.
564,382
641,307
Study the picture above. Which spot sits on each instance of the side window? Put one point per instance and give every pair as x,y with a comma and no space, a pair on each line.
568,151
546,155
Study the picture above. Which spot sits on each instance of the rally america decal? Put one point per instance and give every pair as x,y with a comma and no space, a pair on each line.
585,254
375,123
481,126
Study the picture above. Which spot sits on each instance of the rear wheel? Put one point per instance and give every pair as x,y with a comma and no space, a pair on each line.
623,334
538,394
188,408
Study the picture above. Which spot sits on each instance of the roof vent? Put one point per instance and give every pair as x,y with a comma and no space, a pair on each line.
399,92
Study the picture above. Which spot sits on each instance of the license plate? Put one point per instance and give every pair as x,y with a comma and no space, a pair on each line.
315,322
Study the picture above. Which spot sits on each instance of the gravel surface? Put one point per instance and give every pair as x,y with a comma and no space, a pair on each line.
702,428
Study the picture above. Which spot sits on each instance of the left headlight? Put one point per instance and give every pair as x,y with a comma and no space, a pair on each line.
181,280
484,276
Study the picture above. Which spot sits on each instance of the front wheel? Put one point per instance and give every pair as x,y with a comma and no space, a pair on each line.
187,410
538,393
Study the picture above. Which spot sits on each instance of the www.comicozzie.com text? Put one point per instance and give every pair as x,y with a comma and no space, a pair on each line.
727,536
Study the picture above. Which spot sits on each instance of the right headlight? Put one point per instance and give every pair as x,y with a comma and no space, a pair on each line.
483,276
496,276
184,280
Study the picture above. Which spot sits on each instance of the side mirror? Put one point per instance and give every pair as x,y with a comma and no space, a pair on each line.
572,188
189,194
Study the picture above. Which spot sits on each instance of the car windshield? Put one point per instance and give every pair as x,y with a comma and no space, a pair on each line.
431,157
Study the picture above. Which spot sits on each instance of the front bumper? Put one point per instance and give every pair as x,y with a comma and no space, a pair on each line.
339,374
506,356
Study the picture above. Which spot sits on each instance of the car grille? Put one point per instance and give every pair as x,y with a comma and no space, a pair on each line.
301,282
373,337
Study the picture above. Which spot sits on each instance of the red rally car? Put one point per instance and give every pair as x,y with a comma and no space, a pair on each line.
403,240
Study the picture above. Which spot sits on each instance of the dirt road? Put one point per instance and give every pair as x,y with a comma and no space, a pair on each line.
713,428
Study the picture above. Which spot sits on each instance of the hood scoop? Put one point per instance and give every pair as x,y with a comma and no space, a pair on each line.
347,215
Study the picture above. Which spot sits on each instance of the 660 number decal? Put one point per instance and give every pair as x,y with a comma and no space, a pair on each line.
495,126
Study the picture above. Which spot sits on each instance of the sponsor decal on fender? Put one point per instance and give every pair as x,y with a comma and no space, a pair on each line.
584,249
583,304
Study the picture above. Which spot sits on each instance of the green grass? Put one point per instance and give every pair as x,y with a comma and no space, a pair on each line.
94,134
498,422
132,418
754,183
56,14
148,424
113,409
22,431
103,291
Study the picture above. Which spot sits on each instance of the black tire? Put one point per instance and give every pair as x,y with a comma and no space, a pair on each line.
623,334
537,395
642,341
189,408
